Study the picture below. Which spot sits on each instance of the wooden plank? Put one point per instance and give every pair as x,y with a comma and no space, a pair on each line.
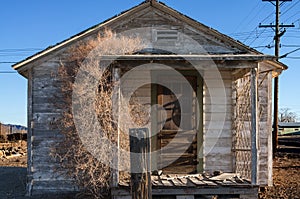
184,181
200,119
218,142
209,183
215,125
167,183
196,181
176,182
268,127
224,176
245,189
141,186
121,197
224,83
115,168
217,116
30,130
154,128
218,133
185,197
58,185
254,127
217,96
217,108
158,182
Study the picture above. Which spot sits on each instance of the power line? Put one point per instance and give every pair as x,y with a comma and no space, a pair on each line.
259,36
243,22
7,72
268,46
19,49
292,36
292,46
291,16
286,54
296,20
292,6
292,57
251,35
8,62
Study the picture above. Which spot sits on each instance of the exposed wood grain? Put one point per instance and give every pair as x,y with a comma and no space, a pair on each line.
254,128
141,186
29,133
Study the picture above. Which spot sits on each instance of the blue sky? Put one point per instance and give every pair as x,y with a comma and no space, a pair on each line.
30,26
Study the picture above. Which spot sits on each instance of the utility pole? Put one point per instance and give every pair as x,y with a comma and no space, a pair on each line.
278,34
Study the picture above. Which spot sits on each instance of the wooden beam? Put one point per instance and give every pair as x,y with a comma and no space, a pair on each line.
254,127
154,129
116,103
185,197
182,57
200,154
29,133
141,187
229,190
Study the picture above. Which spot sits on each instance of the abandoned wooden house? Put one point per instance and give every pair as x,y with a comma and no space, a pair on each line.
223,124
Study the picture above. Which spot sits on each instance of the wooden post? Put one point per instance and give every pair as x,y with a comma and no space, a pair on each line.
141,187
116,103
30,132
254,127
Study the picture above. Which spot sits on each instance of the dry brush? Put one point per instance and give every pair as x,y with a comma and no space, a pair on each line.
92,176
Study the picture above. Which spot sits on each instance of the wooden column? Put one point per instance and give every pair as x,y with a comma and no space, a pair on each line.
141,187
254,127
116,108
30,129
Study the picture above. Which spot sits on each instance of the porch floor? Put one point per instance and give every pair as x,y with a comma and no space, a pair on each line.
178,186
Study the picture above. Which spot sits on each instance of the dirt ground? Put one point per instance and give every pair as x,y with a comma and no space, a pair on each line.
12,171
286,172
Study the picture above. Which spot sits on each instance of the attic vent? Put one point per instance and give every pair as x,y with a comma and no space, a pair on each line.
166,35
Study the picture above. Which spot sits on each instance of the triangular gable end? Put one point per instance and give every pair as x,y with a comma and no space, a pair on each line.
159,17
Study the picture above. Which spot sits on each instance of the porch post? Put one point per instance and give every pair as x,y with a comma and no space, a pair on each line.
140,161
116,108
254,127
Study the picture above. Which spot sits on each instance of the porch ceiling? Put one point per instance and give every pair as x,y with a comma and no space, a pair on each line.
222,60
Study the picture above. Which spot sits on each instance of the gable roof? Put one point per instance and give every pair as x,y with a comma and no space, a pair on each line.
159,6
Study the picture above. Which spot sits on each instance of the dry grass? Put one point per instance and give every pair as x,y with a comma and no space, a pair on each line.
92,176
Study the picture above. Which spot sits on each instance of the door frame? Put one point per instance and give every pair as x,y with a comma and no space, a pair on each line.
199,117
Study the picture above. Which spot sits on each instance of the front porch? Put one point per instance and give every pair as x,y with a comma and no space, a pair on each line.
222,132
196,186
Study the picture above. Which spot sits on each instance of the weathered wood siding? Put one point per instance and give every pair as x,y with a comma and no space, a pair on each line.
242,128
265,152
217,120
149,21
216,113
44,114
